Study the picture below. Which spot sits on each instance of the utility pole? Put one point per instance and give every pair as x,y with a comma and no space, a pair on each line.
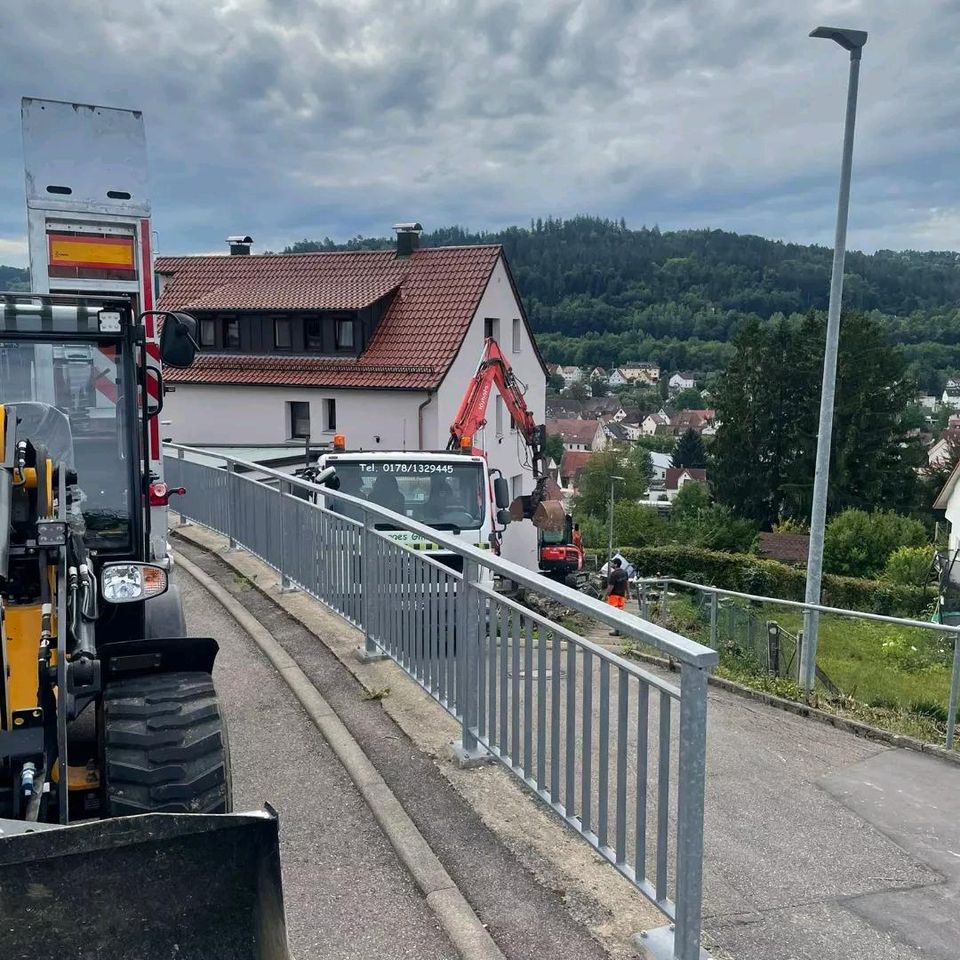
610,538
853,41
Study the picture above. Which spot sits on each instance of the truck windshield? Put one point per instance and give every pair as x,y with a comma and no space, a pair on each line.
85,382
440,494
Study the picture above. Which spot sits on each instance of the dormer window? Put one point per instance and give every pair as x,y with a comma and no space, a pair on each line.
345,335
282,333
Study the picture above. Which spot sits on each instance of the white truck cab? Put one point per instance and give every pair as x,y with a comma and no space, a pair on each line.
449,491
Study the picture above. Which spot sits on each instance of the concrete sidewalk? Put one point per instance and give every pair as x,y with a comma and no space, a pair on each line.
346,894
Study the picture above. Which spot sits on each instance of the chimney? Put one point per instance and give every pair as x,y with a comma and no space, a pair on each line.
408,238
239,246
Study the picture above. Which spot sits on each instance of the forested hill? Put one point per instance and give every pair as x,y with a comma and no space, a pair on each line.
14,278
599,293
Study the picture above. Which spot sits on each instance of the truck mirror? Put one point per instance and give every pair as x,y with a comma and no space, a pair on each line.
503,517
501,492
178,342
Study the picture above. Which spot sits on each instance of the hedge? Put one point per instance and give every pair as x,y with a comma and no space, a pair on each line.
750,574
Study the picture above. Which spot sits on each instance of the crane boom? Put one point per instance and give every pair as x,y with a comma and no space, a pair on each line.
494,370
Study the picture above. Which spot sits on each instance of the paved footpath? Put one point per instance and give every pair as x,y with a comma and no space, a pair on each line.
346,894
821,845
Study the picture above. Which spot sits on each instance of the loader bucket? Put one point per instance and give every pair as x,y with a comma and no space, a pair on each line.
160,885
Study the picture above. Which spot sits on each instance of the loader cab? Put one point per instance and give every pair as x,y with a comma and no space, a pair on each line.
78,357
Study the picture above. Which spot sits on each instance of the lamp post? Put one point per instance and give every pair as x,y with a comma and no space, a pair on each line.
613,477
852,41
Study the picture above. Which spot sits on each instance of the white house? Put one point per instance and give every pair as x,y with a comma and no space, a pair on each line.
677,477
578,435
661,463
378,346
929,402
571,375
652,422
682,381
951,394
644,373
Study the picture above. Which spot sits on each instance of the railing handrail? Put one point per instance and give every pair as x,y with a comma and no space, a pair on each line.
800,605
673,644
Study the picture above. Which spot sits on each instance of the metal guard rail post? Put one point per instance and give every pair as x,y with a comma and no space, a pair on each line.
595,736
643,583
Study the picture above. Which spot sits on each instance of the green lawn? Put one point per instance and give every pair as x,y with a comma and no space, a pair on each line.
891,677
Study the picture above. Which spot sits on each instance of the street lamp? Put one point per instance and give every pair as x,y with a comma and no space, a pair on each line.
853,41
610,540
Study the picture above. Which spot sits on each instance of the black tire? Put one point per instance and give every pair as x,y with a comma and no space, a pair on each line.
164,746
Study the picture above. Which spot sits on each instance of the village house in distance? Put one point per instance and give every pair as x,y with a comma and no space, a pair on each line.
378,346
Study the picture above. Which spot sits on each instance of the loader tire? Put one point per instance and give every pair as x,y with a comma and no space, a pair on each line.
164,746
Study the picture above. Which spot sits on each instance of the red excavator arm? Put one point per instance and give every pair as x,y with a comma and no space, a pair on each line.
494,370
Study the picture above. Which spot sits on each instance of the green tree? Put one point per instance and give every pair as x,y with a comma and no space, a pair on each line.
555,382
599,387
689,450
691,500
553,447
688,399
577,391
768,407
910,566
593,494
858,543
635,525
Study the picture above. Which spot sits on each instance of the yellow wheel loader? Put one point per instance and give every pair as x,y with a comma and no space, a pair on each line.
116,832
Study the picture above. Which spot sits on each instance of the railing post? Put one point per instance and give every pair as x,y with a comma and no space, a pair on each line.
231,506
692,764
954,692
642,591
663,603
369,652
466,751
183,522
714,616
286,585
773,647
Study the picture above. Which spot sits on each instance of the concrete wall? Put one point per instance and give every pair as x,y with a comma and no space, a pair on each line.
209,413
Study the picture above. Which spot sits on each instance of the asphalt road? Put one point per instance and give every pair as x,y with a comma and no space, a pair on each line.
345,892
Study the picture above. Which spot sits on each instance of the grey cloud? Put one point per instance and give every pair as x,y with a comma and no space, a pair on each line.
293,118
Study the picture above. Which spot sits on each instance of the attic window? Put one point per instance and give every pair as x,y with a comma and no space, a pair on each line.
65,191
118,195
345,339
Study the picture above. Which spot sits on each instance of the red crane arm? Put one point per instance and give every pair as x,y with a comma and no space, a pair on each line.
494,369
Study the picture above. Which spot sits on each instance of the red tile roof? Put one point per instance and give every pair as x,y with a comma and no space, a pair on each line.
573,462
785,547
675,473
436,293
574,431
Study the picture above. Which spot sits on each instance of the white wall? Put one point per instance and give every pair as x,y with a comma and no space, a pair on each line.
211,413
520,539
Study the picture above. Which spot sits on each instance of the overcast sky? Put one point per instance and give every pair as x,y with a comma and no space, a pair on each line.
303,118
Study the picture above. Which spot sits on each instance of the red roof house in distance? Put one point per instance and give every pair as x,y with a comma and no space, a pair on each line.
377,345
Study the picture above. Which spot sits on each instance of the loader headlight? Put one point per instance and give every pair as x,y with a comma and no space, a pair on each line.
126,582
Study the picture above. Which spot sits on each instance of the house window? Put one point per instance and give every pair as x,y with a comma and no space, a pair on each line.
330,415
516,335
491,328
344,334
498,407
282,333
314,334
208,333
516,486
298,415
231,334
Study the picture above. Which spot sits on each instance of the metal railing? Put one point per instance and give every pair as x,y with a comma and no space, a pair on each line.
618,752
714,594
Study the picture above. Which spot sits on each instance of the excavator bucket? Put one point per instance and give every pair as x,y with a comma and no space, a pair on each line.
155,886
546,515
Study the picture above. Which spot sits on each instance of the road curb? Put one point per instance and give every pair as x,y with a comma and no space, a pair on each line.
463,927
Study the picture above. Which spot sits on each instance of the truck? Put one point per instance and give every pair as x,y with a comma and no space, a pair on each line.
454,489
